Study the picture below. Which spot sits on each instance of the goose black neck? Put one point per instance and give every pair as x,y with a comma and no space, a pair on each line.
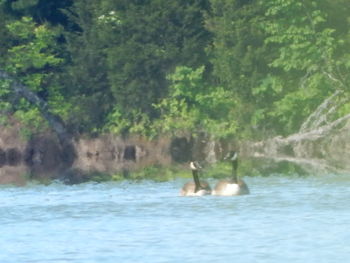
196,180
234,170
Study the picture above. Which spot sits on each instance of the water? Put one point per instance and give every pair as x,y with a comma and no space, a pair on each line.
285,219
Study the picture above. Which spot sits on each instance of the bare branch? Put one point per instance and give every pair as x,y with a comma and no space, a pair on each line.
54,121
324,110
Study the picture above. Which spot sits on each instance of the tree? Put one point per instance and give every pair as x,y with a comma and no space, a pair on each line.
145,41
310,57
33,60
281,58
41,11
122,52
85,77
26,81
239,58
194,107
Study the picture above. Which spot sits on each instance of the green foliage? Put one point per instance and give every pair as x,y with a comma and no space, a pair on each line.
155,173
194,107
344,110
136,66
139,123
85,78
127,49
143,50
5,106
240,59
24,4
282,58
32,58
35,50
306,53
299,28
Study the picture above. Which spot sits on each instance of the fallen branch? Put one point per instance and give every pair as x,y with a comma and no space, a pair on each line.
54,121
320,115
292,145
318,132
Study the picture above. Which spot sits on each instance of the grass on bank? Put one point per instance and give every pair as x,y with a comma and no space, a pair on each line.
219,170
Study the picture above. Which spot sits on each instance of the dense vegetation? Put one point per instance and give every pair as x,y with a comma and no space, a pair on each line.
250,68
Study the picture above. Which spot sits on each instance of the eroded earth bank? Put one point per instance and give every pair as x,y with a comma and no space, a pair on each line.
42,157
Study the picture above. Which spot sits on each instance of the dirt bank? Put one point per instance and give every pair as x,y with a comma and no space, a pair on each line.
42,157
12,148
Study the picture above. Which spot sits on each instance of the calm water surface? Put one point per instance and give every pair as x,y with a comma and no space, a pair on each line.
285,219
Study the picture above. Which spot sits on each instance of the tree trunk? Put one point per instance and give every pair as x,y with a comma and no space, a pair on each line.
55,122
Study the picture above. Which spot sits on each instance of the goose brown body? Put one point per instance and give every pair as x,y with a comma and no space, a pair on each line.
228,187
196,187
233,185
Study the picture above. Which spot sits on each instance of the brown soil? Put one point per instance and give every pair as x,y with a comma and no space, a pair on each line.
42,157
12,146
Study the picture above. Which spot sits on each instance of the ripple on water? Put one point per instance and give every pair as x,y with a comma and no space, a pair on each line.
285,219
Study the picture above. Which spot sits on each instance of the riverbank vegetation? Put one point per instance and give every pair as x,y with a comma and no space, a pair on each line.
220,170
248,69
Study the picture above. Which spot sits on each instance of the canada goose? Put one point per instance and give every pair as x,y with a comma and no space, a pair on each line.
232,185
197,187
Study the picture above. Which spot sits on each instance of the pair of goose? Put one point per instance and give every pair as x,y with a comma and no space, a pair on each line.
227,187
